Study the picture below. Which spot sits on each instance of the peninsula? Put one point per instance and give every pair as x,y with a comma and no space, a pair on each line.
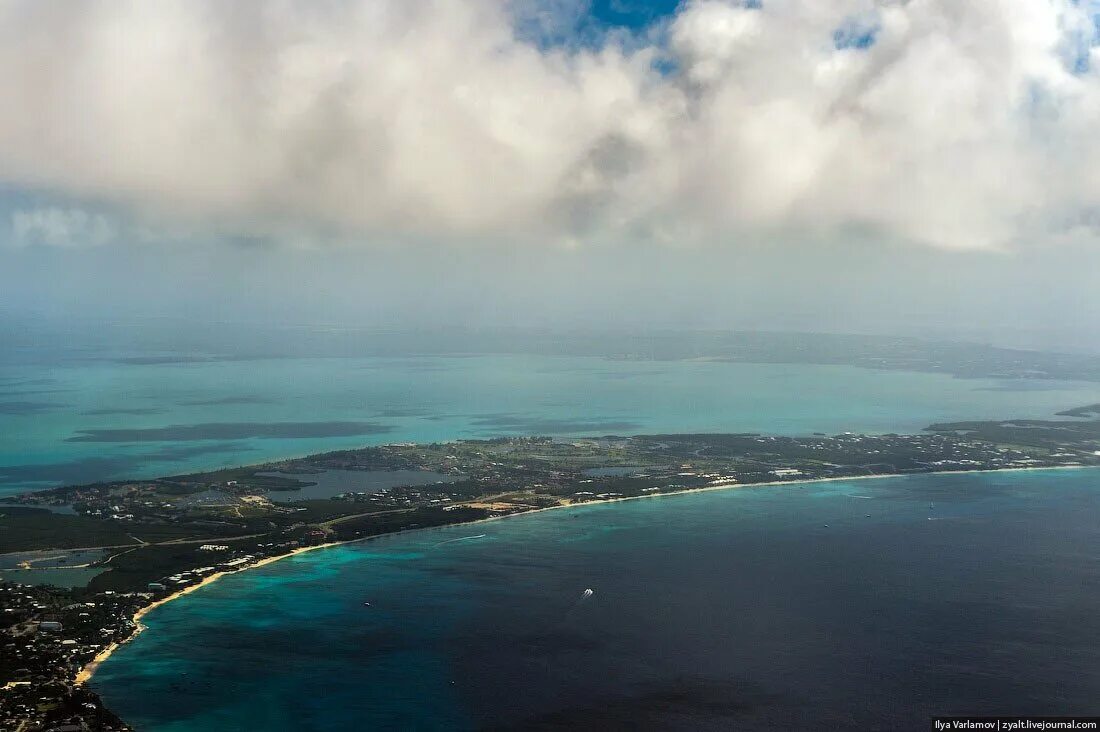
148,541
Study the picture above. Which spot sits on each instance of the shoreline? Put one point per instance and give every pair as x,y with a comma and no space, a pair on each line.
88,670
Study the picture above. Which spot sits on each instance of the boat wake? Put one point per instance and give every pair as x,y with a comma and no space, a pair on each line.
461,538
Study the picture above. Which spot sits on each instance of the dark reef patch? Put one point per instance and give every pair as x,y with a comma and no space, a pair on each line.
92,469
82,470
548,426
406,412
420,365
232,431
161,360
132,412
177,453
181,359
226,401
19,381
623,375
5,391
21,407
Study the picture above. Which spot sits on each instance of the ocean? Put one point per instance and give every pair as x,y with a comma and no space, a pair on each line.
870,604
77,419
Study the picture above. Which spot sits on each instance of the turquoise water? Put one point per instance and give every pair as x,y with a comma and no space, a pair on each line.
84,420
732,609
736,608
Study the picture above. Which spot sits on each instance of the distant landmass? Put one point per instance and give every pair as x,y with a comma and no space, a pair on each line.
183,344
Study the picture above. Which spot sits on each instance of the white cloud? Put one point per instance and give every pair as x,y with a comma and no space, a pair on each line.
965,124
60,227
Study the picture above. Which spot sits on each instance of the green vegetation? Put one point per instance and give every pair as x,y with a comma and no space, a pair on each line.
24,529
1050,435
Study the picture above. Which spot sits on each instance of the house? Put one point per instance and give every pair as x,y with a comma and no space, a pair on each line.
236,563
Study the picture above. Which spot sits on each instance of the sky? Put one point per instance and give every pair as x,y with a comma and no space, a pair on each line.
916,166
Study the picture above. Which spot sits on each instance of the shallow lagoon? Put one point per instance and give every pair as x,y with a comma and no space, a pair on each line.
60,567
331,483
57,576
102,420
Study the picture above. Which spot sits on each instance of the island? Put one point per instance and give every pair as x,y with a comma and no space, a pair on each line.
145,542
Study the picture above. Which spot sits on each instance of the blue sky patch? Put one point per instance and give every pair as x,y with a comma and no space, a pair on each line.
632,14
550,25
1079,54
855,34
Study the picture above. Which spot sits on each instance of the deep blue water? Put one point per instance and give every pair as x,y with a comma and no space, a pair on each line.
731,609
77,420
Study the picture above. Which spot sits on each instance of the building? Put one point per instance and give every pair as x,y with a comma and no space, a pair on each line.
236,563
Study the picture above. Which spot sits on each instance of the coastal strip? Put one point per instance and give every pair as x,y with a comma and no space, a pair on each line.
88,671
